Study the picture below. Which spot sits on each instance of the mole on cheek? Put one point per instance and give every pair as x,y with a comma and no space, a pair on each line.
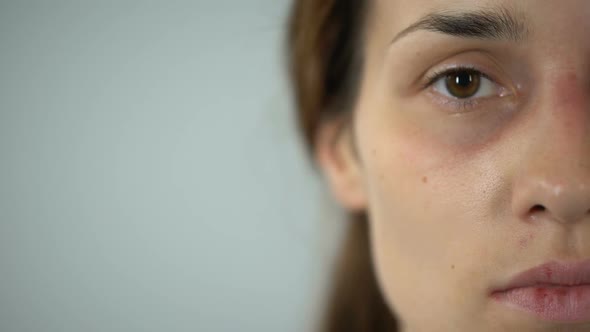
424,179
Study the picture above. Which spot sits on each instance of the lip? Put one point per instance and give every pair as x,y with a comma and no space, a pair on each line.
552,291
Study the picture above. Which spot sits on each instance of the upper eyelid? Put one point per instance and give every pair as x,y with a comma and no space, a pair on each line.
434,77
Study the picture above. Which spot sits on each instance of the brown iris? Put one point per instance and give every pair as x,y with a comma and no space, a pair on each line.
463,84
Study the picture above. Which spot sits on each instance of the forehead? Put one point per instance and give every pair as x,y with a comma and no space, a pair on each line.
396,15
403,12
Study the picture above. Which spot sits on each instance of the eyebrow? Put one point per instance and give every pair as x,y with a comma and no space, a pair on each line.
494,24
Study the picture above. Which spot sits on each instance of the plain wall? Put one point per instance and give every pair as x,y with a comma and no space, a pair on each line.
150,175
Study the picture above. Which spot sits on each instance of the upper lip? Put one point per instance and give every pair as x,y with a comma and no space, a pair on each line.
551,274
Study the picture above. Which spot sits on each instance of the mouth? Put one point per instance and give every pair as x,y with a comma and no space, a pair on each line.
553,291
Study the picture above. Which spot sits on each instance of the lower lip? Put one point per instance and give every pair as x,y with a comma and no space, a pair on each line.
552,303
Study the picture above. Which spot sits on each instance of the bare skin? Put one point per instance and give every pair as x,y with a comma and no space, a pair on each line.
464,193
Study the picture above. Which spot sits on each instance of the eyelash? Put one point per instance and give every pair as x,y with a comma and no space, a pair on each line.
437,74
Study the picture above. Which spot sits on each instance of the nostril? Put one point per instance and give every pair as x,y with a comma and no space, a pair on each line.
537,208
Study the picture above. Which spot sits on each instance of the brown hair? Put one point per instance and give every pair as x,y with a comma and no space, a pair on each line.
325,62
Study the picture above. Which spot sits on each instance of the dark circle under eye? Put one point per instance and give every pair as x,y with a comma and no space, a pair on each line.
463,84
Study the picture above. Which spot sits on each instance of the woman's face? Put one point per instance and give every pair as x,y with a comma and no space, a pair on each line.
472,135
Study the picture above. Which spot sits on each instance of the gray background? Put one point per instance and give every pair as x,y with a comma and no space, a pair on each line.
150,176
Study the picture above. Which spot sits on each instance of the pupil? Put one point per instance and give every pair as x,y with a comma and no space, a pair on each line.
464,79
463,84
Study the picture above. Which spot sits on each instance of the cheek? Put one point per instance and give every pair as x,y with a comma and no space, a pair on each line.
412,187
423,190
426,204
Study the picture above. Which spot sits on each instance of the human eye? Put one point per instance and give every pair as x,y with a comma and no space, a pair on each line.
463,88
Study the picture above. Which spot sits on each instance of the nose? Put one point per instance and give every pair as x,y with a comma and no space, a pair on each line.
554,173
559,194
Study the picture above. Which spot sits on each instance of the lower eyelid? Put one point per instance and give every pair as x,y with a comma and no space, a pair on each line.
457,106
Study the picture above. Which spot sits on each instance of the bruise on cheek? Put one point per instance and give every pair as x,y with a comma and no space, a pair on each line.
568,92
570,100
